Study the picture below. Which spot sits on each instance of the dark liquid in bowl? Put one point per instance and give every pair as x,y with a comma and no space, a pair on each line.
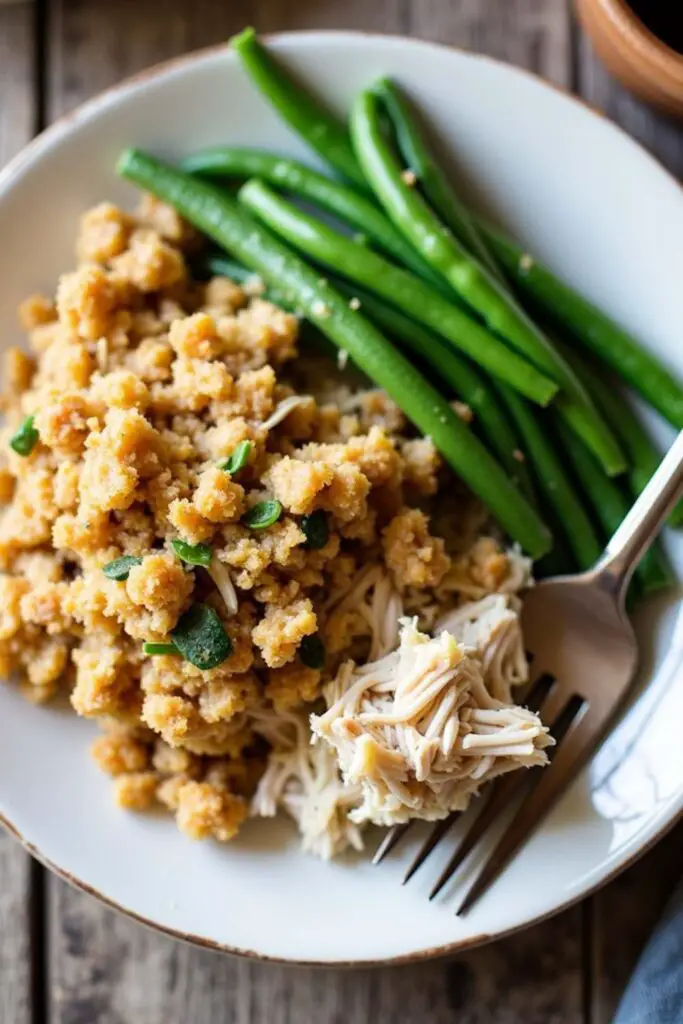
664,18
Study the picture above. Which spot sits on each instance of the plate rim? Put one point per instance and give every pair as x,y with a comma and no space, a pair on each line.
22,161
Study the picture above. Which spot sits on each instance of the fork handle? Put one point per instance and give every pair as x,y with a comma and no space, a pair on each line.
642,524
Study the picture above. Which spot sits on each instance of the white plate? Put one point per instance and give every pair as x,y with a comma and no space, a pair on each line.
599,210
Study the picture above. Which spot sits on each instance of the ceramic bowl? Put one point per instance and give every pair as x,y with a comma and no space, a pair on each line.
565,181
643,63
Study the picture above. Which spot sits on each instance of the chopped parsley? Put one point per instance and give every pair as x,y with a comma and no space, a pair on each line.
201,638
238,459
316,529
312,651
25,438
120,567
193,554
263,515
152,648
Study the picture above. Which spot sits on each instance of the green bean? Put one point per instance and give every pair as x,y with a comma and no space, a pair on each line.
485,292
610,505
292,176
593,328
459,373
643,457
559,559
413,217
437,187
433,180
228,224
554,482
323,132
222,266
400,287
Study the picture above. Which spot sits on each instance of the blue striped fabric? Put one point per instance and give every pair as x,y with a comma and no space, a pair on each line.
655,992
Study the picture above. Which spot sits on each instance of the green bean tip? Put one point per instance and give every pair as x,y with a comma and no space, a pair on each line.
247,35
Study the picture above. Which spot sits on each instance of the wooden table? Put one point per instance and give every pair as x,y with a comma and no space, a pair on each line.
64,959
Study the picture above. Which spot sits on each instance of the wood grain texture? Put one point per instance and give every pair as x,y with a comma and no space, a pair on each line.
17,115
105,968
534,34
17,97
109,970
87,56
15,943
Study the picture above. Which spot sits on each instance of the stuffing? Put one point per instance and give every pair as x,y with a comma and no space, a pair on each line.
416,558
138,578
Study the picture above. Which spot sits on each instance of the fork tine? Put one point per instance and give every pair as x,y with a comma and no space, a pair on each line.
576,734
434,837
392,837
504,790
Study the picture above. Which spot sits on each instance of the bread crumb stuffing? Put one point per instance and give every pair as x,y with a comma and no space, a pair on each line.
142,382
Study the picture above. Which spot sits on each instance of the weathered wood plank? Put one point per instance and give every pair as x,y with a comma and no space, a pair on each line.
17,110
534,34
87,56
108,969
15,937
17,114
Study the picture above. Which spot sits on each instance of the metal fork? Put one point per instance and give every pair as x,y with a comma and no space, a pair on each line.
584,655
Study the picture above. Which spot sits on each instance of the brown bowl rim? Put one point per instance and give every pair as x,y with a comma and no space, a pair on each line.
664,64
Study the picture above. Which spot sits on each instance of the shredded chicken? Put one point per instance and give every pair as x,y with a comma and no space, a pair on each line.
304,780
491,626
282,411
415,732
221,577
373,597
419,731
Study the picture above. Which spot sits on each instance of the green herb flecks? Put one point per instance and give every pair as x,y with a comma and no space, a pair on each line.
263,515
154,649
193,554
238,459
119,568
312,651
25,438
201,638
316,529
